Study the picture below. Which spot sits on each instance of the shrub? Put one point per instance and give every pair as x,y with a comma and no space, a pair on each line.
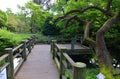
92,73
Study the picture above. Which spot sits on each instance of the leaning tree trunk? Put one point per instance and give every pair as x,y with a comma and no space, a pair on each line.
102,52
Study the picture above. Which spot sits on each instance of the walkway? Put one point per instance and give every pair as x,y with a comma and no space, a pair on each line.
39,65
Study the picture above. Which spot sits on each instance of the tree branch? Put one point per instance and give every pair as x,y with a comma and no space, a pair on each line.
84,10
82,22
86,35
86,31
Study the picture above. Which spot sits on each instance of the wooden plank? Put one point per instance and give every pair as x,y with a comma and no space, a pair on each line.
4,66
39,65
77,50
16,55
69,59
16,48
3,57
57,63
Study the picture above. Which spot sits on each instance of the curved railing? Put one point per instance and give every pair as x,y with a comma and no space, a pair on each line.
19,52
65,63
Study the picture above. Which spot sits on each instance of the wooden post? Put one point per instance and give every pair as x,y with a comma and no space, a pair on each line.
49,39
79,71
62,50
33,40
81,40
24,50
53,48
73,41
68,65
10,68
29,47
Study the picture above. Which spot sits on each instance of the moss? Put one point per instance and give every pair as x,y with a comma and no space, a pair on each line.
104,70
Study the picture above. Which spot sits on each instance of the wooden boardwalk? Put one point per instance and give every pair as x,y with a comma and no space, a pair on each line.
39,65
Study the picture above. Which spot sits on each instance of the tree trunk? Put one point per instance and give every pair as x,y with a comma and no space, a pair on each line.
102,52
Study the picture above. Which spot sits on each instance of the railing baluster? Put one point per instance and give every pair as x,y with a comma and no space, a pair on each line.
24,55
29,44
76,70
79,71
53,48
62,50
10,68
9,58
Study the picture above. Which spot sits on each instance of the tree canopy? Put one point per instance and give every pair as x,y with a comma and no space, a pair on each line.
3,19
98,19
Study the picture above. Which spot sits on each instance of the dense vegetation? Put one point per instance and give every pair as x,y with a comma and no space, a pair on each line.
98,22
9,39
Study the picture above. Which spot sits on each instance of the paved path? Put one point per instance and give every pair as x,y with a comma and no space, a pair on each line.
39,65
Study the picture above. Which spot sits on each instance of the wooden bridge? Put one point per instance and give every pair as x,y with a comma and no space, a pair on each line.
36,61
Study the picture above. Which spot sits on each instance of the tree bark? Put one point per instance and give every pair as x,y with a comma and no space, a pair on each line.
102,52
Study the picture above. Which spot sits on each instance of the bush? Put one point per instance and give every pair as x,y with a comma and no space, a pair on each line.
8,39
92,73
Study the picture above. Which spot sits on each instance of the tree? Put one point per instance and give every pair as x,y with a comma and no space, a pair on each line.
16,23
36,16
50,28
3,19
112,17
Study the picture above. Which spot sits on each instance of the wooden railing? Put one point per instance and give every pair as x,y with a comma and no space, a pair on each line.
21,51
66,64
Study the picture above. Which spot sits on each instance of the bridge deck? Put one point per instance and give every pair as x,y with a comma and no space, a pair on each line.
39,65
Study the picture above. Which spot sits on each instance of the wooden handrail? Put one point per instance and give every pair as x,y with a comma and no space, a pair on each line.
12,53
16,48
65,63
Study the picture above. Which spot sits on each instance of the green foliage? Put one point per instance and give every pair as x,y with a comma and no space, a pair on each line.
34,15
92,73
3,19
8,39
50,28
97,19
117,77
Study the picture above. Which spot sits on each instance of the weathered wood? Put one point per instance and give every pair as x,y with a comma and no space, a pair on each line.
10,67
39,65
53,48
76,70
24,50
79,71
16,48
29,44
62,50
33,41
4,66
73,43
9,58
3,57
